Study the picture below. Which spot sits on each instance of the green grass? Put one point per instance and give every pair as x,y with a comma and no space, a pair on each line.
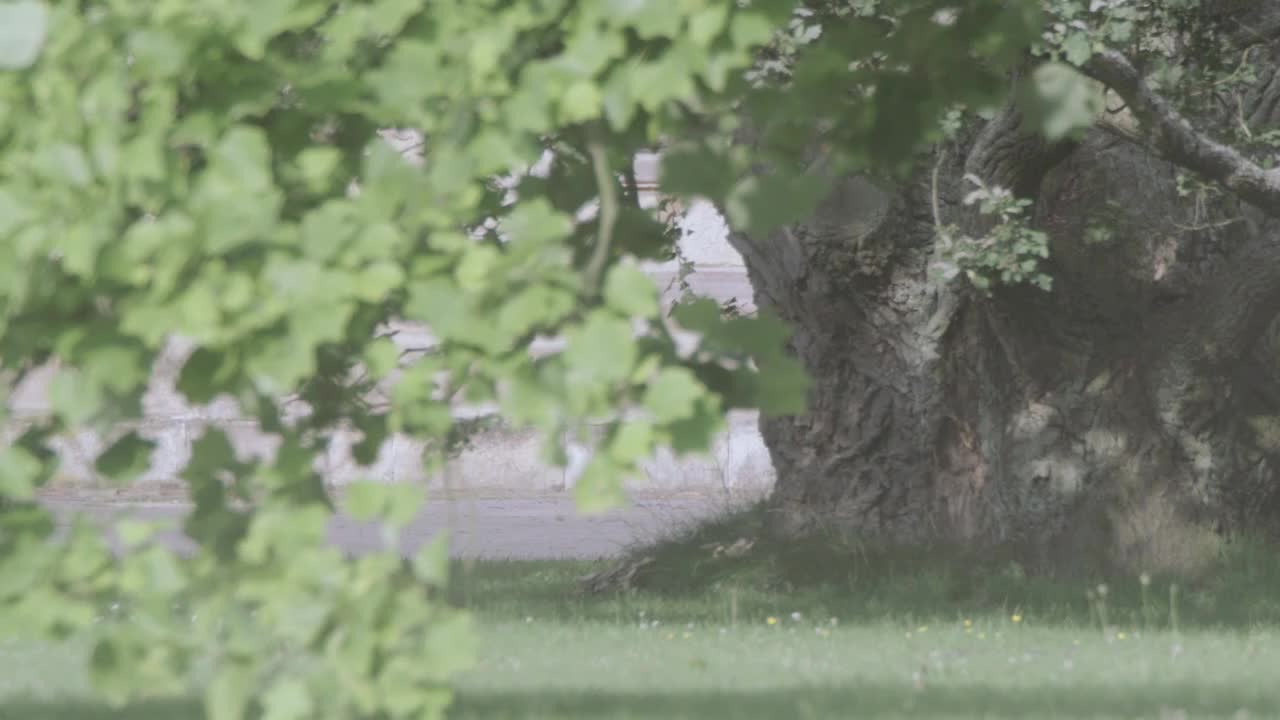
994,669
854,634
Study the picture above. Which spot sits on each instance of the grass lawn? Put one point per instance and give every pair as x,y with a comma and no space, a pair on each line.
782,634
993,669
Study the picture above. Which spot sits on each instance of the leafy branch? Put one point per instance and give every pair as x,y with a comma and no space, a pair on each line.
1009,253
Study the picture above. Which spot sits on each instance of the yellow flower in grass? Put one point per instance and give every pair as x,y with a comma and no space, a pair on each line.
968,623
1016,617
771,620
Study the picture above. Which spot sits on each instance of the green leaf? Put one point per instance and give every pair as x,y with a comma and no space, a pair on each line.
366,500
696,433
156,52
750,29
476,270
527,401
695,171
1077,48
119,367
228,694
783,387
444,308
23,26
375,282
760,204
237,199
619,99
126,459
631,442
109,668
288,699
536,223
629,291
328,230
649,19
673,395
13,213
706,24
699,315
204,375
580,102
603,349
284,532
599,488
75,397
64,162
376,430
1060,102
431,562
136,532
540,305
762,336
396,504
381,356
404,502
19,472
164,570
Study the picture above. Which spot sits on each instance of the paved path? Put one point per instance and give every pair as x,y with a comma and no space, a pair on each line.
506,527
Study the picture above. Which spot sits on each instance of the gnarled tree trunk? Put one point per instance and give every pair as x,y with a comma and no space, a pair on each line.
1130,412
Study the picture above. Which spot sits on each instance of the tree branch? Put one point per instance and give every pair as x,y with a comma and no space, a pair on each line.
1173,136
608,187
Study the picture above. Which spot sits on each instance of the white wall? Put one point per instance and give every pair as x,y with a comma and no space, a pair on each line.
499,460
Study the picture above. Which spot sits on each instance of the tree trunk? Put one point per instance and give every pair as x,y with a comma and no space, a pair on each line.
1131,413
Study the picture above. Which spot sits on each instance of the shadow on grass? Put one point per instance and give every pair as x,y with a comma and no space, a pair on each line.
864,701
694,575
872,701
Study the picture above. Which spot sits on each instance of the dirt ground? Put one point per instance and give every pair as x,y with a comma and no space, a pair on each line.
493,526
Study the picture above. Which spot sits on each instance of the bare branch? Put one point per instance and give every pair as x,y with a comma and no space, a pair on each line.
1173,136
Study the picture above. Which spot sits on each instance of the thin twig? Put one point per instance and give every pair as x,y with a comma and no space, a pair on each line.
937,213
1206,226
608,209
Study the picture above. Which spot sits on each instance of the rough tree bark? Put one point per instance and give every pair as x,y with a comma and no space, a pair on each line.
1129,413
